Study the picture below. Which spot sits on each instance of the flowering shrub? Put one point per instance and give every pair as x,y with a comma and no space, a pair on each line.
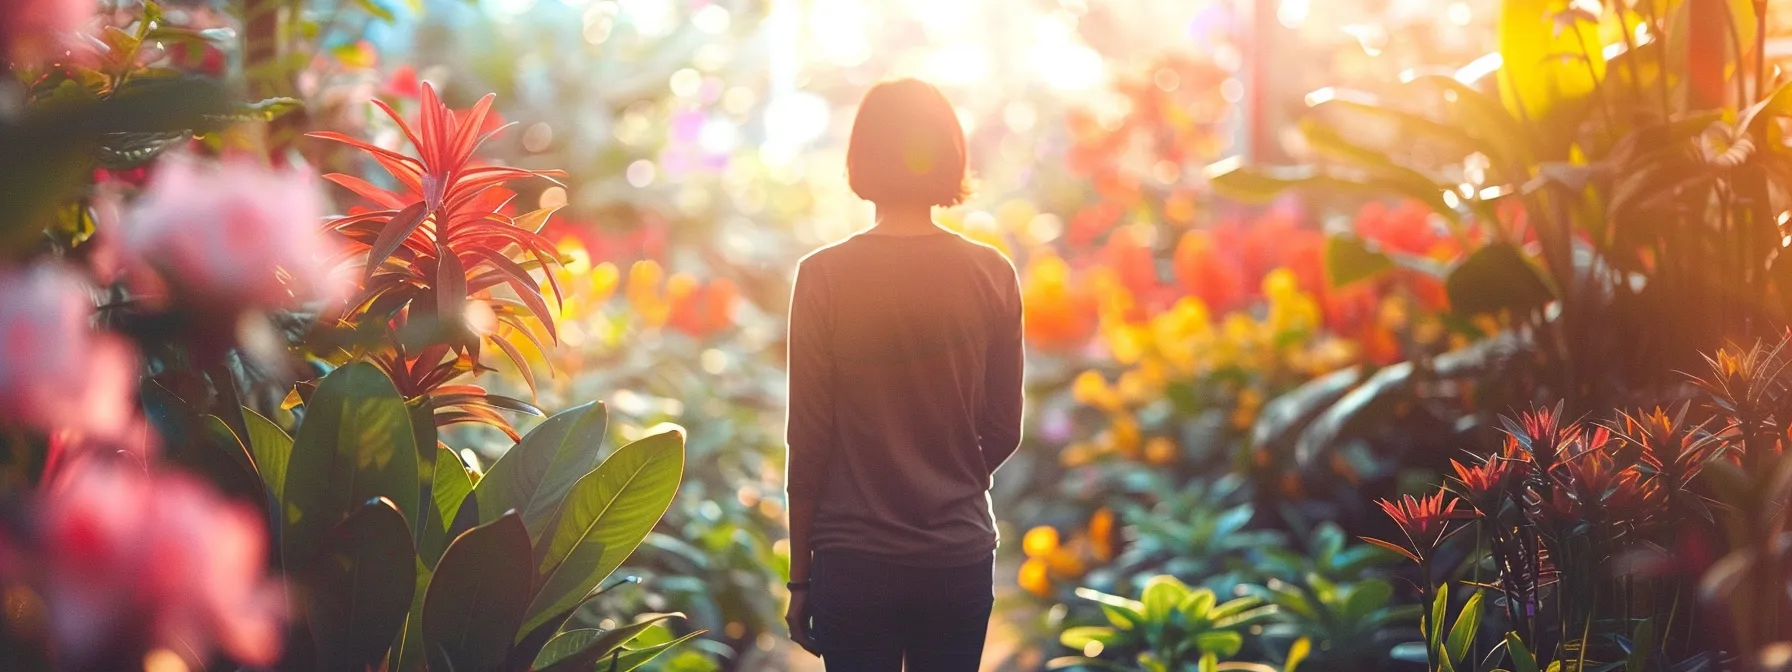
162,508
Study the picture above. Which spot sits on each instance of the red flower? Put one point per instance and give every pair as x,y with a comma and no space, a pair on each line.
132,561
1207,273
445,237
1424,520
701,311
1485,484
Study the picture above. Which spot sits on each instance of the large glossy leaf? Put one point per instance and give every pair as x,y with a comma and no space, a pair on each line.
1349,260
579,649
477,597
606,515
1351,410
271,449
449,490
1462,634
201,443
354,445
536,475
408,651
1494,278
1545,69
360,586
629,660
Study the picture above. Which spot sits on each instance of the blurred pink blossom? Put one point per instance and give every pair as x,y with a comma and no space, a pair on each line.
232,235
60,374
133,561
33,29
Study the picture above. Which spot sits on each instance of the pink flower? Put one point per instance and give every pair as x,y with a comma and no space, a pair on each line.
230,236
133,561
61,374
32,29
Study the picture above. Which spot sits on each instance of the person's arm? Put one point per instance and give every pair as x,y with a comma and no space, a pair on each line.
1000,427
810,429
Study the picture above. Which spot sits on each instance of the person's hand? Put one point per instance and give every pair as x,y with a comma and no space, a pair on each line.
797,619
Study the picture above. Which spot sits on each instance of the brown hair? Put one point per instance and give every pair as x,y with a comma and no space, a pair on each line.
907,147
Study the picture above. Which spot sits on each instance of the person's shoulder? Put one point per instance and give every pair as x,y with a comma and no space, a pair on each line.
824,255
988,256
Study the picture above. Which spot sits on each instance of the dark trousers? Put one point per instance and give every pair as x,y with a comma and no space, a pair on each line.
868,615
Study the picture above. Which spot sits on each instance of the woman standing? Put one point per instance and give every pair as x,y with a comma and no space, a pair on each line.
905,396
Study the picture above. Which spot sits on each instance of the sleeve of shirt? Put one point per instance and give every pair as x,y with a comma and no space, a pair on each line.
999,432
810,426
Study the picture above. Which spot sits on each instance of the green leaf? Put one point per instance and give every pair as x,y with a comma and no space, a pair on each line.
360,586
449,489
408,655
535,476
1522,659
1223,643
1162,594
1079,637
1197,604
1494,278
1349,260
1365,598
1543,66
354,445
478,596
605,516
579,649
1434,626
271,449
631,659
1643,644
1468,624
1297,654
1382,171
263,111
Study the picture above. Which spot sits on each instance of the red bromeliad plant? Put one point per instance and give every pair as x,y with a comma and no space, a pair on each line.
442,256
1598,534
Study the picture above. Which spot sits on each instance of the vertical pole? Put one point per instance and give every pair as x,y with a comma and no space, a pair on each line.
1260,118
1707,51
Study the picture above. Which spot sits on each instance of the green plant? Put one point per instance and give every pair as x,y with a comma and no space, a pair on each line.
1170,627
500,561
1334,595
1600,182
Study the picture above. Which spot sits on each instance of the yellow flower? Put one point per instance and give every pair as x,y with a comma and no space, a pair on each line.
604,278
1035,577
1076,455
644,293
1091,389
1124,434
1160,450
1249,402
1040,541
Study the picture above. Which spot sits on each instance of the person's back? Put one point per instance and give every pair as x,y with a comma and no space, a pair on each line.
905,396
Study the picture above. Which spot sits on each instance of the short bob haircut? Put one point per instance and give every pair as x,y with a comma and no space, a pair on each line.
907,147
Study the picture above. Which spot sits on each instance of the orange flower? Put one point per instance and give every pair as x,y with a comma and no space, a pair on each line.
644,293
701,311
1060,313
1160,451
1425,521
1101,534
1205,273
1035,577
1040,541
